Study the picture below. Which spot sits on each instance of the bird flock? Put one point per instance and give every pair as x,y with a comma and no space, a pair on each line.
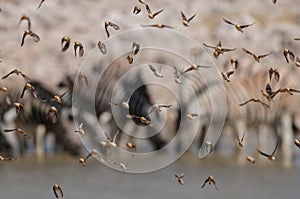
268,99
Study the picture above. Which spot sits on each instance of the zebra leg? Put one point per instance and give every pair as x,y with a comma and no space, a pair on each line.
40,141
286,134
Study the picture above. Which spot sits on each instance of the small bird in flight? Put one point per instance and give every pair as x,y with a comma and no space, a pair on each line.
193,67
150,14
218,49
286,53
256,57
42,1
58,193
185,20
156,72
34,36
19,131
226,75
17,72
110,24
159,25
102,47
271,156
29,87
275,72
136,10
210,180
241,140
180,178
65,43
78,45
238,26
256,101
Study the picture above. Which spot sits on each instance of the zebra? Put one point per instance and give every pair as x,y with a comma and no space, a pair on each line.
35,113
242,118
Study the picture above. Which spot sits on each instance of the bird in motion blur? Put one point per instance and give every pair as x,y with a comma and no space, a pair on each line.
271,156
238,26
256,100
185,20
108,24
288,54
33,35
218,49
210,180
180,178
255,56
16,72
57,191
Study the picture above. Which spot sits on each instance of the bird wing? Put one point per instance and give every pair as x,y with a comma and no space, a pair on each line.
183,16
229,73
106,30
35,37
262,56
262,153
9,130
213,47
115,26
247,51
152,68
5,76
275,148
246,102
247,25
285,56
158,12
23,91
115,136
148,9
23,37
204,183
229,22
264,104
191,18
228,49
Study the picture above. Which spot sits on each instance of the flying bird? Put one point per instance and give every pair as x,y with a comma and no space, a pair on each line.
65,43
241,140
226,75
256,101
42,1
7,95
250,159
193,67
57,191
136,10
271,156
256,57
80,129
102,47
110,24
218,49
78,45
238,26
112,141
26,17
210,180
185,20
135,47
288,54
180,178
34,36
29,87
159,25
156,72
19,131
17,72
275,72
150,14
18,107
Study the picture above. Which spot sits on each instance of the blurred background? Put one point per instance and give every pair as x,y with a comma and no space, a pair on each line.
276,26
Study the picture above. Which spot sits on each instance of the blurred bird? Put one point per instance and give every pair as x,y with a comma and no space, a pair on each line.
177,75
241,140
52,113
185,20
193,67
234,63
18,107
256,57
157,107
210,180
208,146
79,46
289,91
218,49
112,141
156,72
58,193
180,178
297,62
136,10
159,25
6,159
26,17
34,36
42,1
130,59
275,72
238,26
130,145
65,43
256,101
83,161
271,156
82,77
191,115
110,24
226,75
135,47
19,131
142,119
29,87
17,72
80,129
274,1
286,53
250,159
7,95
102,47
297,142
150,14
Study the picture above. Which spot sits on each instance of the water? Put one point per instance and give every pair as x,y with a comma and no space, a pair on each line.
27,178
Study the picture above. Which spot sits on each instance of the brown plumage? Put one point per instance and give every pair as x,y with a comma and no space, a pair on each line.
79,46
29,87
18,107
289,90
297,142
185,20
65,43
110,24
180,178
271,156
288,54
52,113
256,101
135,47
210,180
218,49
34,36
102,47
250,159
193,67
150,14
136,10
238,26
226,75
256,57
275,72
159,25
17,72
19,131
130,59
